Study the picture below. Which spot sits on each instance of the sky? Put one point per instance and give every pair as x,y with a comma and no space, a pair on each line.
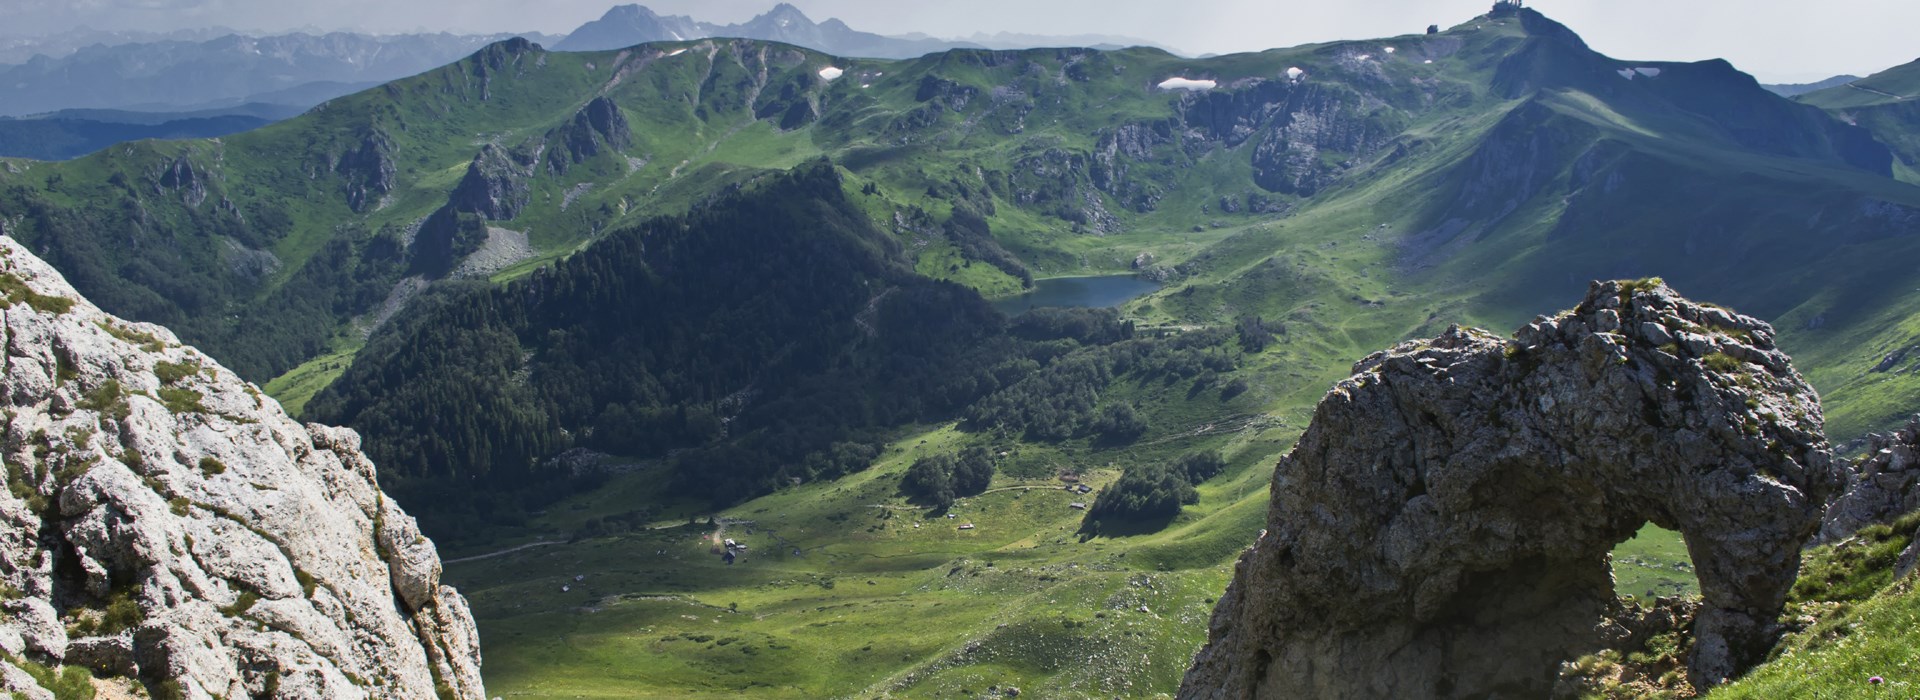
1775,40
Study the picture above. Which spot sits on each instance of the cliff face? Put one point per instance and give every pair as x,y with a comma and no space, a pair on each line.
1442,529
165,524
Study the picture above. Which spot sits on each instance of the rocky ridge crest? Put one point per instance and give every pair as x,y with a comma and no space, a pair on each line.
167,525
1442,529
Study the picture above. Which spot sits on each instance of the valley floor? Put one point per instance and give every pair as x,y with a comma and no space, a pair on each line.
847,590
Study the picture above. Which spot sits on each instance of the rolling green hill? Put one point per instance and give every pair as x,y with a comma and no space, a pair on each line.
1897,84
1887,104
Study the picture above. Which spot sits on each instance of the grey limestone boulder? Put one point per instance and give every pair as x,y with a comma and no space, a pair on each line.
166,524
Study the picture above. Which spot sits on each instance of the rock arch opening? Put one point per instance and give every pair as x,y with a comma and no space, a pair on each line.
1442,529
1654,564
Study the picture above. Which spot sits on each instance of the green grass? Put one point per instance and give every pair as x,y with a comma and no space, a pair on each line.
882,599
295,388
1654,564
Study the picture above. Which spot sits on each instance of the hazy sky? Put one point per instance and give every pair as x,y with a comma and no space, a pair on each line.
1774,39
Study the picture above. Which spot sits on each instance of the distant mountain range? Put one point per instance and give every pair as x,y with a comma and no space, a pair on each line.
20,49
218,68
628,25
76,132
299,70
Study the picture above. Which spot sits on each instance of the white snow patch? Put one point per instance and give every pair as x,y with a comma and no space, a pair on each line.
864,86
676,52
1295,73
1649,72
1365,57
831,73
1626,73
1427,61
1391,49
1188,84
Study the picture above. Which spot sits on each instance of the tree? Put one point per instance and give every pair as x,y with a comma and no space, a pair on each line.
1200,466
939,479
1153,491
1119,422
972,471
930,480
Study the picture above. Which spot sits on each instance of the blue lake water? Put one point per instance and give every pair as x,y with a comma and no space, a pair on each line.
1099,292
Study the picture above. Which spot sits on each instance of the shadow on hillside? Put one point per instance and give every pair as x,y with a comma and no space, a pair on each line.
1090,528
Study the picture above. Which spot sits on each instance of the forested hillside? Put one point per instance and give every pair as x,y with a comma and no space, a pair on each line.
752,371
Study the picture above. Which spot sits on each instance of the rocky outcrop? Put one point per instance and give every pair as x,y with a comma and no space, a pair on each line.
1058,183
1291,122
945,93
599,127
1292,159
369,171
167,525
181,176
497,58
1909,560
1881,487
495,186
1442,529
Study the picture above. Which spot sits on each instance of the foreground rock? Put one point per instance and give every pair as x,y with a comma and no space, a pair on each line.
1442,529
166,525
1882,486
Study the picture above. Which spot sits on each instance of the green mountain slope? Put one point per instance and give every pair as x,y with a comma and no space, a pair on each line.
268,247
1887,104
1897,84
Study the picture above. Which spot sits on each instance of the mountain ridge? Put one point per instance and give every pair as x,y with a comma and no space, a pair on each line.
624,26
628,25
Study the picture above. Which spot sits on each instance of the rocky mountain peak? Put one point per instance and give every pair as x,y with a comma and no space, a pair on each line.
629,12
787,11
170,529
1442,529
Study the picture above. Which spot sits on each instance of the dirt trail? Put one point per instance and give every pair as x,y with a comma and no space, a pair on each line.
503,552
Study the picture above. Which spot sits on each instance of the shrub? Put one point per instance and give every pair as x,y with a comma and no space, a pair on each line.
181,400
173,372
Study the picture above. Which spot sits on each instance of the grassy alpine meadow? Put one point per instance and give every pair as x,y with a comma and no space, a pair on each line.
848,590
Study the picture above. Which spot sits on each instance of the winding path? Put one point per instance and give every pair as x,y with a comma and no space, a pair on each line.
503,552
